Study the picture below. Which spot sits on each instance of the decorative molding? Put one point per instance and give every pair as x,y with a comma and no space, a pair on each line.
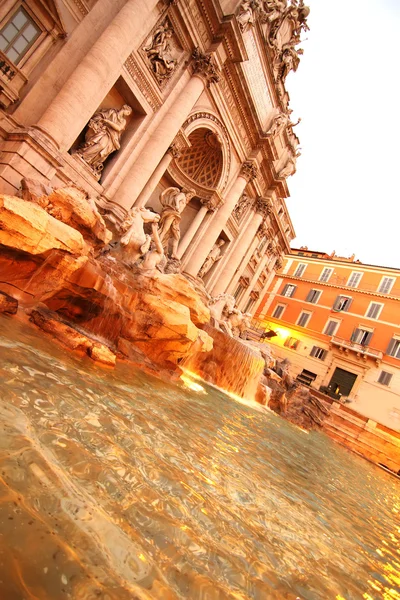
137,75
263,206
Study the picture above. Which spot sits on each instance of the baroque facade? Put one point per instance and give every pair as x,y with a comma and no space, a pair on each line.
337,322
127,99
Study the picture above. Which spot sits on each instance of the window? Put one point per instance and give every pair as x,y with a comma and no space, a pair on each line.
354,279
300,270
326,273
279,309
342,303
386,285
18,35
303,318
394,348
385,377
331,327
374,310
313,296
362,336
291,342
238,292
318,352
249,305
289,290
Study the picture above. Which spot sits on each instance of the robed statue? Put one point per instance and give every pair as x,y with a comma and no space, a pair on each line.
173,201
103,136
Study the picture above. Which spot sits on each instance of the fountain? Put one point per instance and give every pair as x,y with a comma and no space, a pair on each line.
76,287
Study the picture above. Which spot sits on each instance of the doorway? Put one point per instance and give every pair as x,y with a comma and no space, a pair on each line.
342,382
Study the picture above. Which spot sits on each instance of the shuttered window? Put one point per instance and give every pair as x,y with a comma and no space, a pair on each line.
374,310
18,35
292,343
318,352
303,319
342,303
385,377
361,336
326,273
394,348
331,327
313,296
300,270
289,290
354,279
278,311
386,285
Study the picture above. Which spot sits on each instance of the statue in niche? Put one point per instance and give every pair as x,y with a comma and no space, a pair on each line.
103,136
134,242
214,256
242,206
173,201
158,52
247,13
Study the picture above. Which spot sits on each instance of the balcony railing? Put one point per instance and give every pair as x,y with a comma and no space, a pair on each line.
359,349
11,81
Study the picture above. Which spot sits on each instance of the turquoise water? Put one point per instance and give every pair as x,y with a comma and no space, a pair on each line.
115,485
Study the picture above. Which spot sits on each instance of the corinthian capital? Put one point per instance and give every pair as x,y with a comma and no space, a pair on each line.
263,206
174,151
204,66
249,170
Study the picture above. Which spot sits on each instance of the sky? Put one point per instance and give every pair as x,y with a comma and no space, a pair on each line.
345,194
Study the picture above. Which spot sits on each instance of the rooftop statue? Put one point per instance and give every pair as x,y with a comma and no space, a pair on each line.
274,11
103,136
173,201
158,52
289,59
214,256
247,13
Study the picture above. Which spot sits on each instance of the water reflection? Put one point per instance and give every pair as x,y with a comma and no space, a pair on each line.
118,486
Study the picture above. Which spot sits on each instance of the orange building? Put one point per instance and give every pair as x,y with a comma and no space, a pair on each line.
338,322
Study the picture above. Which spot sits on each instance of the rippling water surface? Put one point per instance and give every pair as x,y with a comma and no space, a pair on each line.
117,486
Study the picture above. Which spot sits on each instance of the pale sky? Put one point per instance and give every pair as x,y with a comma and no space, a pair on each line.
345,195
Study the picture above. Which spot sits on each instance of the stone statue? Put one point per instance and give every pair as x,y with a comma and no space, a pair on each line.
173,201
239,322
214,256
155,255
275,11
158,53
299,13
247,13
103,137
280,122
241,207
288,170
221,307
134,243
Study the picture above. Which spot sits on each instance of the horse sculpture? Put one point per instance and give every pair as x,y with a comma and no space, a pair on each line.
134,242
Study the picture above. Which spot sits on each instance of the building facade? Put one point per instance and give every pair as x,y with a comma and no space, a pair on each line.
126,98
338,322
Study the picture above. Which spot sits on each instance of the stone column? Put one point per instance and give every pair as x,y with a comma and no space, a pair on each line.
86,87
154,180
260,268
247,173
275,263
192,229
262,208
204,73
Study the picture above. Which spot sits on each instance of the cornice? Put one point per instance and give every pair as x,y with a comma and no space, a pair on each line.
338,287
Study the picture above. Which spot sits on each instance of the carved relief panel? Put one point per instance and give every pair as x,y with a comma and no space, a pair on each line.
162,52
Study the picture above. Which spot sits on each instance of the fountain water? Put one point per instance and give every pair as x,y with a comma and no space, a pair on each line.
231,365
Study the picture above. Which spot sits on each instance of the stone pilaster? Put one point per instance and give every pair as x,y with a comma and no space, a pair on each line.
204,73
247,173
